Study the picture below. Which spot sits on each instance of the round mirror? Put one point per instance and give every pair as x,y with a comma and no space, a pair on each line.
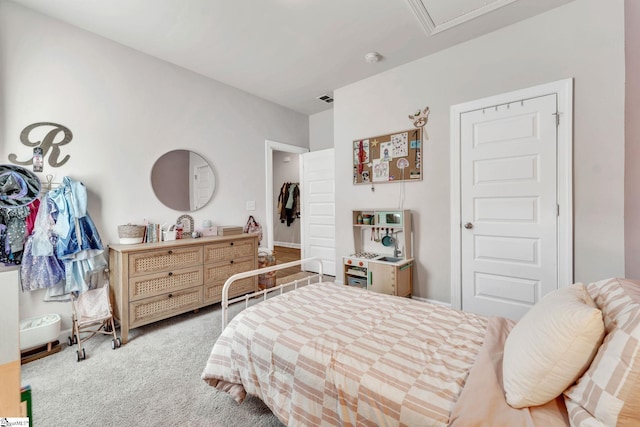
183,180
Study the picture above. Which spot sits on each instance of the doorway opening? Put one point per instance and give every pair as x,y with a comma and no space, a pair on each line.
283,255
283,177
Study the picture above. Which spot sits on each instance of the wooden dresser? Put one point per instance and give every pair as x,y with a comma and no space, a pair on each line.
154,281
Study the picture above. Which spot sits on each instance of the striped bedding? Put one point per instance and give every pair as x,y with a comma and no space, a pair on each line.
329,354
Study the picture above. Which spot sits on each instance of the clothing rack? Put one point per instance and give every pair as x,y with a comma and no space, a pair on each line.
50,184
60,265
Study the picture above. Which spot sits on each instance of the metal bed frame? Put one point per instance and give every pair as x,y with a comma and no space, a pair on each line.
226,302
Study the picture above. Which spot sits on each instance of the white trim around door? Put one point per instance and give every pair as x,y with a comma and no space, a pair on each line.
269,148
564,91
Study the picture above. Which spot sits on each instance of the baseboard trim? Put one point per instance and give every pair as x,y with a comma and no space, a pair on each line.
288,245
64,335
433,301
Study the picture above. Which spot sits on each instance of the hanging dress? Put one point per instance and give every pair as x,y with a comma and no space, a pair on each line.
78,238
14,219
40,267
78,243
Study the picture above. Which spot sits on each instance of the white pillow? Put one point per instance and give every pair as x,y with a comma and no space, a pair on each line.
551,346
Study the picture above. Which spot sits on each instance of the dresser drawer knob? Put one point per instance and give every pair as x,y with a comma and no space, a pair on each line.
231,243
231,262
170,295
170,252
171,273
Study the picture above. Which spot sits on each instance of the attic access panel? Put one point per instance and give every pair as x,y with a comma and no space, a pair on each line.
388,158
439,15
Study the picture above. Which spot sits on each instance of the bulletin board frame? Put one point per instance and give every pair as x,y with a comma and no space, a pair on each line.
393,157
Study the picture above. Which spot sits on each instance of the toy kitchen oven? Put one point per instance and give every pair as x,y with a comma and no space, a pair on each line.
382,261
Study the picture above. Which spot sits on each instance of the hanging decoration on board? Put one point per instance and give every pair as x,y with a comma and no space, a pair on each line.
420,118
55,136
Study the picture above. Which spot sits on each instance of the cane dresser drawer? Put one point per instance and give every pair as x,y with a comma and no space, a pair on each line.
221,271
166,281
229,251
154,281
213,291
164,260
149,310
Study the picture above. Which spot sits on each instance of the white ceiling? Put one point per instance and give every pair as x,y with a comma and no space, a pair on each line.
289,51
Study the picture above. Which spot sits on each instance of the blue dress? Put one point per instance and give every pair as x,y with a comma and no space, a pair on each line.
78,245
78,238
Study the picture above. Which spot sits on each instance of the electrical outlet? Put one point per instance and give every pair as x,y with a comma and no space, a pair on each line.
251,205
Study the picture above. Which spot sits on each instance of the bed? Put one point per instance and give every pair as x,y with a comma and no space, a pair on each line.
326,354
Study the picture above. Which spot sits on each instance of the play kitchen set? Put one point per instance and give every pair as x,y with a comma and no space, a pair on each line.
383,259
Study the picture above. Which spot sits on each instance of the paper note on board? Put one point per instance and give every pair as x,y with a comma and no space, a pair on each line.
380,170
400,144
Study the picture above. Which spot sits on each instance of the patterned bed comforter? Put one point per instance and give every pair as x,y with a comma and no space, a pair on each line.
329,354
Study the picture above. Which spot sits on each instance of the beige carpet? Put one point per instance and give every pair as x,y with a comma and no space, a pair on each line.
152,380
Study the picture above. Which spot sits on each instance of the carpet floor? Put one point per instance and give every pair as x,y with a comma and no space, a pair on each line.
154,379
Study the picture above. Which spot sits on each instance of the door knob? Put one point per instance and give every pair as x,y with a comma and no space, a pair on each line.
468,226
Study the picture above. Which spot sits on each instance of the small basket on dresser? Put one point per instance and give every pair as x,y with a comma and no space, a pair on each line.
130,233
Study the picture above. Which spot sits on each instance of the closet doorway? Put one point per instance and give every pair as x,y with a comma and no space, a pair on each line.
317,199
286,254
287,216
283,174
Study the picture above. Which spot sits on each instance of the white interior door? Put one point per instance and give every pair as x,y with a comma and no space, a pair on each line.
318,208
509,209
204,182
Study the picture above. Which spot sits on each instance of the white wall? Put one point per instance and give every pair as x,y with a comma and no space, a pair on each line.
9,331
285,171
583,39
321,130
632,138
125,110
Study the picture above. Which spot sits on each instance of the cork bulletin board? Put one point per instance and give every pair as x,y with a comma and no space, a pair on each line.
388,158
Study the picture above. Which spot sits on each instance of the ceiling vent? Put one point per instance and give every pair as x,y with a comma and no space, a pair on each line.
326,98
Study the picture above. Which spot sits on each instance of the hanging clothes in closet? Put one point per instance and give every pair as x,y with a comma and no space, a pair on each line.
65,246
289,202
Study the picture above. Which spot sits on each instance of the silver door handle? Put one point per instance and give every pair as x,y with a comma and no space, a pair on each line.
468,226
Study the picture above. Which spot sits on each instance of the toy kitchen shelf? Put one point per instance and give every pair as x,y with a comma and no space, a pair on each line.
383,257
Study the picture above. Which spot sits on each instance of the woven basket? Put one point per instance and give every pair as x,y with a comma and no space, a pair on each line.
130,230
131,233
